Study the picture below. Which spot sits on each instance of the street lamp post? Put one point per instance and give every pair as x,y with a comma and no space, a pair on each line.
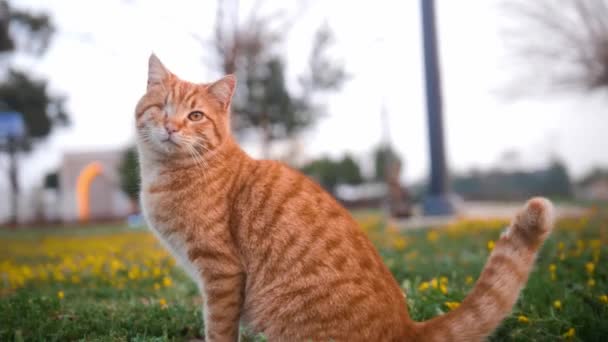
12,137
437,201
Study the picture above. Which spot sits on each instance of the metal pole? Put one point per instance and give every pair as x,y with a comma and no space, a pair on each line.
13,180
437,201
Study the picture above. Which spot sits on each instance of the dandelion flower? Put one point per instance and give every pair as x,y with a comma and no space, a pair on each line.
156,286
452,305
432,236
523,319
167,282
443,280
423,286
552,268
557,304
60,295
163,303
570,333
434,283
443,289
604,299
491,245
399,243
469,280
590,267
591,282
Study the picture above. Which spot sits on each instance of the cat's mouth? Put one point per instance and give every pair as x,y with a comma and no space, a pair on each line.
170,141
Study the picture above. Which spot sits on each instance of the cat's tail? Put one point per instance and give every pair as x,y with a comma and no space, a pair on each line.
498,286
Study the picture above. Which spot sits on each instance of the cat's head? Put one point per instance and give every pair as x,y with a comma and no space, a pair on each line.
176,118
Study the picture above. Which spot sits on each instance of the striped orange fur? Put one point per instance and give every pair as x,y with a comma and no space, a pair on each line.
271,250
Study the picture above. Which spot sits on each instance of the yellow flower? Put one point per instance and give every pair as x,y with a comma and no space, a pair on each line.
432,236
523,319
443,280
591,282
60,295
434,283
552,269
156,286
570,333
167,282
443,289
399,243
491,245
604,299
557,304
452,305
590,267
423,286
469,280
163,303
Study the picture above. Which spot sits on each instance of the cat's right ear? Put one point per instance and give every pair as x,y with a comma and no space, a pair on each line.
157,72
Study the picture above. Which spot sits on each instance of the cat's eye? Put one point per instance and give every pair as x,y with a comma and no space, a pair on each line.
196,116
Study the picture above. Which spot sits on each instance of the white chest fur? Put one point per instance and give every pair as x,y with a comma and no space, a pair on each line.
150,204
174,242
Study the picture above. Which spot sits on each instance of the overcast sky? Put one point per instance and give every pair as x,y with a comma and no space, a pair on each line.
99,57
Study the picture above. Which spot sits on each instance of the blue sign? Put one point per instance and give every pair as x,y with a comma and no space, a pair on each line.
11,125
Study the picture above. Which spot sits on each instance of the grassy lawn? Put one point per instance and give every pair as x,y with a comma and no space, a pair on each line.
118,284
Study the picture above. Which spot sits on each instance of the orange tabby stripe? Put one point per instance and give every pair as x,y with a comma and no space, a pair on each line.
269,247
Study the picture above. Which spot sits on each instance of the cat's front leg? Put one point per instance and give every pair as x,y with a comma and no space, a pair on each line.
223,297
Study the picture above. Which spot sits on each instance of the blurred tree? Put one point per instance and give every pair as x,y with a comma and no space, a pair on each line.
35,30
329,172
594,175
324,171
564,43
264,103
31,33
557,181
27,32
349,171
553,181
129,176
41,111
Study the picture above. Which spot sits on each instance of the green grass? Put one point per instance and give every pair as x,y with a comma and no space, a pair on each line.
120,285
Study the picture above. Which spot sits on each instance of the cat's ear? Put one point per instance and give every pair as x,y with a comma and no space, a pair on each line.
223,89
157,72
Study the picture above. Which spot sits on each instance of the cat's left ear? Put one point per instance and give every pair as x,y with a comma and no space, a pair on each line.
223,89
157,72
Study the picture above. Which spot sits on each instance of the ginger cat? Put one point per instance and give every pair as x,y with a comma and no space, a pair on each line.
271,250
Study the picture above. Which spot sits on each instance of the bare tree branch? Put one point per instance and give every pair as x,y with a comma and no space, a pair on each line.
563,43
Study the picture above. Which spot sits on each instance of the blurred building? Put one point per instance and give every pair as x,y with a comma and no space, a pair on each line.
105,199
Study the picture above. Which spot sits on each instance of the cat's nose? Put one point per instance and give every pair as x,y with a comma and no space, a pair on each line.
171,128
